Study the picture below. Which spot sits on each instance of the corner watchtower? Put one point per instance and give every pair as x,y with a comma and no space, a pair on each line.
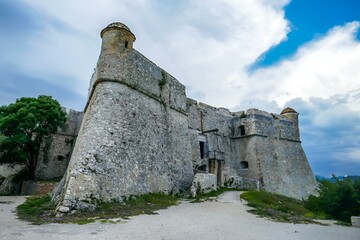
117,37
291,114
117,44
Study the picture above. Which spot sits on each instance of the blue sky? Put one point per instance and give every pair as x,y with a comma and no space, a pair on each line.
239,54
310,20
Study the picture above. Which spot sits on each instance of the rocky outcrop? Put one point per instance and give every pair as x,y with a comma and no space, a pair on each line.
10,179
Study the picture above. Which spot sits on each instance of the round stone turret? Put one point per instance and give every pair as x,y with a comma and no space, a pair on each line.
118,35
292,115
288,110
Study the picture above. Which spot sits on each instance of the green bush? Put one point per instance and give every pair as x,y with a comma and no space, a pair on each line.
339,200
23,127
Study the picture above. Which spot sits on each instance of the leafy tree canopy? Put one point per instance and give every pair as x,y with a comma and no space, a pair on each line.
23,126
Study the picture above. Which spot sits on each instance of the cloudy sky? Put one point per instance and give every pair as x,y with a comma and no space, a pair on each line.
238,54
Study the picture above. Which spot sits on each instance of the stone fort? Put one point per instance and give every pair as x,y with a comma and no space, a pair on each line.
139,133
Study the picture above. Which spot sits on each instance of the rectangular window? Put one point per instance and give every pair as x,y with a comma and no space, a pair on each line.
202,149
242,130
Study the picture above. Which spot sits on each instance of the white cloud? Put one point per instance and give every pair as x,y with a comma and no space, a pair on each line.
206,45
64,50
217,40
322,68
330,133
350,156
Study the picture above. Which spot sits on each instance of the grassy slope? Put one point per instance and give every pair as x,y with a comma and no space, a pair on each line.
277,207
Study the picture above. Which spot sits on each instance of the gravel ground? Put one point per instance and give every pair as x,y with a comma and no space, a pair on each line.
225,218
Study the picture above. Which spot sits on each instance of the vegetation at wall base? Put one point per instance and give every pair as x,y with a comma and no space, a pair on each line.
277,207
202,197
36,209
40,209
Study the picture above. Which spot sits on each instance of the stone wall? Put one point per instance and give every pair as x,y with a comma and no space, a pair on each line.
56,150
252,149
37,187
272,149
141,134
128,145
213,127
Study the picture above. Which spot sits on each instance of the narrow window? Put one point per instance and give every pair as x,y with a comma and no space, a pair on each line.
244,165
126,44
202,149
242,130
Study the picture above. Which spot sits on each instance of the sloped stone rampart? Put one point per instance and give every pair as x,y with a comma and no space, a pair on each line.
128,145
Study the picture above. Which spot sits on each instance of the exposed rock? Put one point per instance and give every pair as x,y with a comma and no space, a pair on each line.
203,183
10,183
7,170
64,209
10,186
86,206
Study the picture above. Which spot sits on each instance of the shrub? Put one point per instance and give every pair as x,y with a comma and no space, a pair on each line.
339,199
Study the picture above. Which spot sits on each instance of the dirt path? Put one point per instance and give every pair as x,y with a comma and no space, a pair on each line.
226,218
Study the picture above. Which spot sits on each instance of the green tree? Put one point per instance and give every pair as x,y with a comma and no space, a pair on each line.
24,125
339,199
